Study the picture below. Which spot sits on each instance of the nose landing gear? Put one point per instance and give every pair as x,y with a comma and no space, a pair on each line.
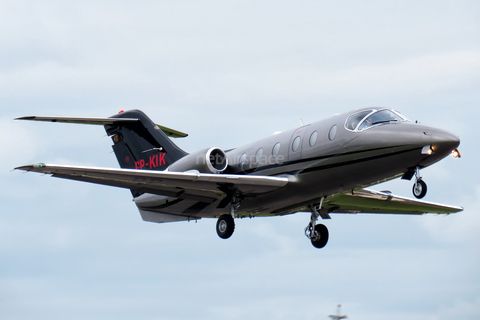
419,187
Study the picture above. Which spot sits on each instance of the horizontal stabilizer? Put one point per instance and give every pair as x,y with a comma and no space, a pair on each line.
102,121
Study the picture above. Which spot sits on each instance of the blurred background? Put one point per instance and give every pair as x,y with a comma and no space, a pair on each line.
227,73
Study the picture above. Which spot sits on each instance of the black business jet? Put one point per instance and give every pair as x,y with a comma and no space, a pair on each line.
322,168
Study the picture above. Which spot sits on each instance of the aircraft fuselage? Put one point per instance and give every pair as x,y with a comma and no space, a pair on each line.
324,158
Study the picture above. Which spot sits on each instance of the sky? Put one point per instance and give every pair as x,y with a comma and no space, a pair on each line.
227,73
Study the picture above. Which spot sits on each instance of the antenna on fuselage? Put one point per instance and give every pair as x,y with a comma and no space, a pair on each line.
301,122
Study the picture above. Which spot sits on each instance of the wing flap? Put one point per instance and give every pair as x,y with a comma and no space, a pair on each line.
162,217
164,182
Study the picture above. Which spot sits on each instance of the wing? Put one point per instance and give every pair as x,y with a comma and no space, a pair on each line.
369,201
189,185
210,187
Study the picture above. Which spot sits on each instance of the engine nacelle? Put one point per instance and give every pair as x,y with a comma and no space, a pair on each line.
213,160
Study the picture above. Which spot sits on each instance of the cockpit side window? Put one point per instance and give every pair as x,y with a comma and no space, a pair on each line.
354,119
379,117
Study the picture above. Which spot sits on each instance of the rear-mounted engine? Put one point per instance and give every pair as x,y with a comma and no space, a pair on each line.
213,160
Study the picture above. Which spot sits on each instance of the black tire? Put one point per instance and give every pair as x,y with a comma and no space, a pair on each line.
419,189
225,226
322,236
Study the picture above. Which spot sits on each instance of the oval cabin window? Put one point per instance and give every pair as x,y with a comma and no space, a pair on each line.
296,144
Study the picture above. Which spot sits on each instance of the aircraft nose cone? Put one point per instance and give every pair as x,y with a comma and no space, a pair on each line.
444,141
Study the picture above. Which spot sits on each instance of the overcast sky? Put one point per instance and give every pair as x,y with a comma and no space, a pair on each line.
229,72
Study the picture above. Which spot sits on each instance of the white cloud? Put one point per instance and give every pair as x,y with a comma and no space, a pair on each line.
460,309
17,143
76,250
428,67
460,228
432,72
418,74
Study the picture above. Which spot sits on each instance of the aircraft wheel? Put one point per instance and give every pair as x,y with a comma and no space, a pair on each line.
419,189
225,226
321,236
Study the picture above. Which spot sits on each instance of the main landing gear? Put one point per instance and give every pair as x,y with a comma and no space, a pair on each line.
226,223
225,226
317,233
419,187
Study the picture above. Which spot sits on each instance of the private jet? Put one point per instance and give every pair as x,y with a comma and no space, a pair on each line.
323,168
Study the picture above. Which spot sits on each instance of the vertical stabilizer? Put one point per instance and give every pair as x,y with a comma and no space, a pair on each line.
142,144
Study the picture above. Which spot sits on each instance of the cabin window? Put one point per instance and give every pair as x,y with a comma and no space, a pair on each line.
332,133
276,149
296,143
258,155
242,161
313,138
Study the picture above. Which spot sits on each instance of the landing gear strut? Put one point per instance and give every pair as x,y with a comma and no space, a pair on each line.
419,187
317,233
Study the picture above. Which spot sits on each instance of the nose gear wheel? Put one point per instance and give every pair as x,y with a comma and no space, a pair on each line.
419,187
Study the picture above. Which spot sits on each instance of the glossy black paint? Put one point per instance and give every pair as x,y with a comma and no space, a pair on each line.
142,145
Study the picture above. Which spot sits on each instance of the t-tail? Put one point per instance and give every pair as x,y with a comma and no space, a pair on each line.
138,142
142,144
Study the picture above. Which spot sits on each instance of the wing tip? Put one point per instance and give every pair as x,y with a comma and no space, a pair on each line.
26,118
31,167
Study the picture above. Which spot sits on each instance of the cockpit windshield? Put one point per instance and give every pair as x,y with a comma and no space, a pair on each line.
354,119
365,119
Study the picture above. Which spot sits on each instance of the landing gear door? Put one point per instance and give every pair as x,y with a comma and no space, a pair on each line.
296,144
